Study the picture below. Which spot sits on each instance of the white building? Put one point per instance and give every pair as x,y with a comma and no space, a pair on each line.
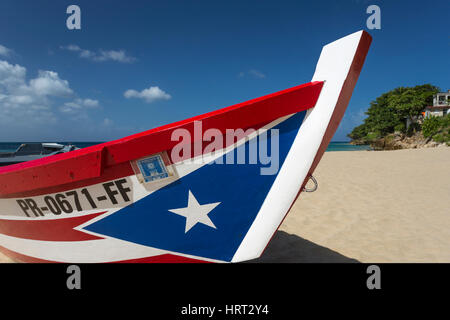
441,105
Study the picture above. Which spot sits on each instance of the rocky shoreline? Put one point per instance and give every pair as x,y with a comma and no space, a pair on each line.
397,141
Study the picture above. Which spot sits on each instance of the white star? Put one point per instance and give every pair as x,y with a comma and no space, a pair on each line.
195,213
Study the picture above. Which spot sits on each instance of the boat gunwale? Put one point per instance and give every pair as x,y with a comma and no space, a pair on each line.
112,153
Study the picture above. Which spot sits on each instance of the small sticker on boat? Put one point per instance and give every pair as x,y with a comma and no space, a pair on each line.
154,171
153,168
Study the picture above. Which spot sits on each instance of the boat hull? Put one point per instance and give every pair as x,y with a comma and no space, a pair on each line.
128,218
139,199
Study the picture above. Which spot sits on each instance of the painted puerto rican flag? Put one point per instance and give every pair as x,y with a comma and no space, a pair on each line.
203,214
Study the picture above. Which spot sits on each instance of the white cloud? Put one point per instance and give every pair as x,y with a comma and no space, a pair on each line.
90,103
101,55
11,75
107,122
48,83
21,99
29,103
71,47
149,95
44,107
257,74
4,51
115,55
77,108
252,73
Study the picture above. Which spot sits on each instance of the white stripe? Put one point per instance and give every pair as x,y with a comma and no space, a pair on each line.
333,67
91,251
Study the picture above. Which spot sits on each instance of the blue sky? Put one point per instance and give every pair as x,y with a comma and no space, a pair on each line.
135,65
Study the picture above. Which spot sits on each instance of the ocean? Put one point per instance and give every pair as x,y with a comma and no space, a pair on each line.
346,146
333,146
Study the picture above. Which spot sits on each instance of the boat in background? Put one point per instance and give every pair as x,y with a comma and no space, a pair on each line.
130,200
31,151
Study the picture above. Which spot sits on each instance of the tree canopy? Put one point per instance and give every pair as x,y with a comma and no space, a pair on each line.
390,110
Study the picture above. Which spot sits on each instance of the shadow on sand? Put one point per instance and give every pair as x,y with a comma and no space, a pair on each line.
288,248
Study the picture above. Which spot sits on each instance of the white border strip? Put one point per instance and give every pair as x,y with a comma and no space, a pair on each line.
333,67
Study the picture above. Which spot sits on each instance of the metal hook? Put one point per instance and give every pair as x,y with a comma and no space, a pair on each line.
315,185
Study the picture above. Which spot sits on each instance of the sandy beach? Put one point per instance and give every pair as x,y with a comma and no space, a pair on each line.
371,206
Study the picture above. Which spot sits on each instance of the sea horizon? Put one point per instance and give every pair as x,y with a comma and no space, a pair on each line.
333,146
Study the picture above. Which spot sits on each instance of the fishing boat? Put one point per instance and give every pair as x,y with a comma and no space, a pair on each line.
182,192
31,151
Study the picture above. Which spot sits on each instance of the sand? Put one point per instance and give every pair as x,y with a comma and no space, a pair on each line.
371,206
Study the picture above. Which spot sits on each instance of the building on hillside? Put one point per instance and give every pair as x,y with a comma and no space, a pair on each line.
441,105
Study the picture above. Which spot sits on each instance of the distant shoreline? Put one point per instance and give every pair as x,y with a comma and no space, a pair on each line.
333,146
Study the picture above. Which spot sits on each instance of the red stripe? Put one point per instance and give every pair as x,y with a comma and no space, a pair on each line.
91,164
48,230
111,173
243,115
18,257
164,258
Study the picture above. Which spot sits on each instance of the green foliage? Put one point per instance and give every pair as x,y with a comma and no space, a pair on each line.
400,127
439,137
442,138
359,132
445,121
372,136
438,128
430,126
389,111
409,102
